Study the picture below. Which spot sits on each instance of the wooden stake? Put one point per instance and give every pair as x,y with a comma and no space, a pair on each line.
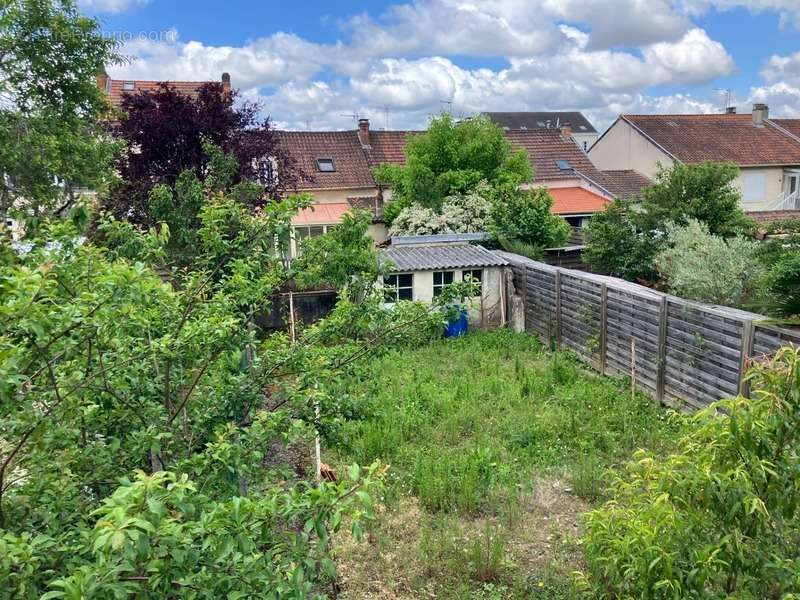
633,367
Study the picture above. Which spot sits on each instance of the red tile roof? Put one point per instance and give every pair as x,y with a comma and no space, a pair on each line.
545,147
790,125
388,146
719,137
624,183
576,201
116,88
765,217
349,158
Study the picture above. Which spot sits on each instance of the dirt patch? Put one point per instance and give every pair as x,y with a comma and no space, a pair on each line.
528,547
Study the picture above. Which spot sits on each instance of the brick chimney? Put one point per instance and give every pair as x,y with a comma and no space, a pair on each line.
226,82
731,110
363,133
760,114
566,129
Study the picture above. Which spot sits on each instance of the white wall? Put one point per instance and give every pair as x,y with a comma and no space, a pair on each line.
585,140
624,147
761,187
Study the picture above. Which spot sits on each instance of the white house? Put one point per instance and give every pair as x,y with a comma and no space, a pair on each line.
422,265
766,151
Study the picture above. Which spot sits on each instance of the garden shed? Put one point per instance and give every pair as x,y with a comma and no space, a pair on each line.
422,265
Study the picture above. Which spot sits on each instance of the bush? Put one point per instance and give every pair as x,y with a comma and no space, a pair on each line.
464,213
719,518
616,246
708,268
783,286
525,215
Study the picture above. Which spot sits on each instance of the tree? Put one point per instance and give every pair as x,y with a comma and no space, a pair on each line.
452,158
709,268
703,191
165,132
524,216
615,244
51,143
146,428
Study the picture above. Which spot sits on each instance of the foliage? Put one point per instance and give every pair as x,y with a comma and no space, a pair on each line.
783,286
521,248
343,258
464,213
106,370
168,133
703,191
50,56
451,158
719,518
701,266
524,215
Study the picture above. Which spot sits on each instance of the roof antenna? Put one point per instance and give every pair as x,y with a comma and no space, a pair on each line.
727,92
386,118
353,115
449,104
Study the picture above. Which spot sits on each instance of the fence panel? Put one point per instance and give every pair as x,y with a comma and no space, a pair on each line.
683,353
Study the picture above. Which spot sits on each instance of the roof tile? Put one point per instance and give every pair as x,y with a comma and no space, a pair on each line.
576,201
625,183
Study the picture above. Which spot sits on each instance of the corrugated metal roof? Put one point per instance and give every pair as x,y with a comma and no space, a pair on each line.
437,238
428,258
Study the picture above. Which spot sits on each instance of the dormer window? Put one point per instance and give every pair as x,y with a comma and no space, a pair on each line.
326,165
128,86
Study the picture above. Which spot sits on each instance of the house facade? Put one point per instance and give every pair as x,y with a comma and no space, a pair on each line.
766,150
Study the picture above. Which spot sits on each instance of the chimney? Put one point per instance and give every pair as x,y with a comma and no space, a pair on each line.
566,129
363,132
731,110
760,114
226,82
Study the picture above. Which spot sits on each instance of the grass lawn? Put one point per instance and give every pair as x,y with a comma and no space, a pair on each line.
496,447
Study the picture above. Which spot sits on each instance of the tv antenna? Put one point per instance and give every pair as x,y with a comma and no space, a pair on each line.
386,118
353,116
727,92
449,104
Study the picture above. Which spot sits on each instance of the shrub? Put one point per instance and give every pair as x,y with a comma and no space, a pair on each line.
719,518
708,268
616,246
783,286
525,215
464,213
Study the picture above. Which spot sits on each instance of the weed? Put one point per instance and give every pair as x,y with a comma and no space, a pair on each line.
486,554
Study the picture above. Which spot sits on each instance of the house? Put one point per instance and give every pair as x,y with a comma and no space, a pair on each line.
117,88
766,150
583,132
420,266
336,169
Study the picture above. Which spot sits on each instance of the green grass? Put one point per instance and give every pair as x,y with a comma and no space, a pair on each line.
472,426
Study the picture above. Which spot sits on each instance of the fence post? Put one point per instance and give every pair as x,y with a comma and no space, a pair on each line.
603,325
558,307
661,359
524,291
748,329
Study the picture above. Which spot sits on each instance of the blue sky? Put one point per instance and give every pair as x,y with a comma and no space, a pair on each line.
319,60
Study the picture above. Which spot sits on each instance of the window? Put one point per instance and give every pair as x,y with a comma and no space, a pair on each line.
563,165
398,287
476,276
308,231
441,279
325,165
753,186
128,86
266,170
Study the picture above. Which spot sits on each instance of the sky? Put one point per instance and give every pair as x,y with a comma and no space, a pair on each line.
314,64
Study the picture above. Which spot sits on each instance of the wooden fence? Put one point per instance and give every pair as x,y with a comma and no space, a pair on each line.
685,354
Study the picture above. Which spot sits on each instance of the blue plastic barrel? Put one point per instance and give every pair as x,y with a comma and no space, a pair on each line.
457,326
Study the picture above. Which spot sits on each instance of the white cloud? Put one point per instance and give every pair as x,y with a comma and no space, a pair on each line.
110,6
603,57
789,10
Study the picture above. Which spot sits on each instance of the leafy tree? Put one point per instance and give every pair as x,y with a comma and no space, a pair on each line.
718,518
615,245
708,268
166,134
783,286
524,215
51,143
451,158
704,191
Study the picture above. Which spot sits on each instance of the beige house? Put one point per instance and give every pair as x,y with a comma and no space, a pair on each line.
766,151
